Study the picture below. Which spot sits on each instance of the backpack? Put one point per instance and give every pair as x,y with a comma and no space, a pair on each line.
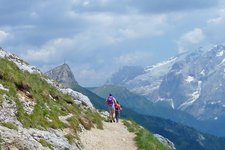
117,106
110,100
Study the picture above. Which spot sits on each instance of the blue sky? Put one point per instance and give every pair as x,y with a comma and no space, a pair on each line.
97,37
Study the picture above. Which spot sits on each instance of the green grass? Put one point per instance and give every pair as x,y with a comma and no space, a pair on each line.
131,125
2,147
144,139
1,99
45,144
74,123
9,125
96,118
46,111
70,138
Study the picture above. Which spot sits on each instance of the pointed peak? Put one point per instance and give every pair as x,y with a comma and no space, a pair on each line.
65,65
63,74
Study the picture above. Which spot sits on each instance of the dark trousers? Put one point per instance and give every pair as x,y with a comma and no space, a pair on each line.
117,115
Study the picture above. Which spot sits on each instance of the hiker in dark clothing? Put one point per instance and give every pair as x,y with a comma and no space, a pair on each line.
118,108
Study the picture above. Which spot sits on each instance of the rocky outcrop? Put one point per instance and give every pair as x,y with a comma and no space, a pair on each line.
63,75
19,62
23,138
78,97
165,141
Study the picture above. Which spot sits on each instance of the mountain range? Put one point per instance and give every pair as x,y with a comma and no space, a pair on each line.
191,82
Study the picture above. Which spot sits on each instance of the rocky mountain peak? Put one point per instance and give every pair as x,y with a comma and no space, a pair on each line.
63,75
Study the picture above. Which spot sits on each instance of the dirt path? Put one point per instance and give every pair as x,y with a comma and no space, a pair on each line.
114,136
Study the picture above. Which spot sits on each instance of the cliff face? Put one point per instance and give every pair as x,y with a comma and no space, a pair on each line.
63,75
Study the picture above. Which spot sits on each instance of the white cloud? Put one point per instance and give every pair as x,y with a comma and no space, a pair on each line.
194,36
42,55
103,30
3,35
132,58
219,19
116,27
189,39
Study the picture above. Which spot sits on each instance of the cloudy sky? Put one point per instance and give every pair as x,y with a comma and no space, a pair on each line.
97,37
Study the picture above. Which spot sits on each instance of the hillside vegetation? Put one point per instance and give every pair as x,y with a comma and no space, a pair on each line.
46,102
46,118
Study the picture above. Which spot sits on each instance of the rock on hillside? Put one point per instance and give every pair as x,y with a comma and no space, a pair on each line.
165,141
19,62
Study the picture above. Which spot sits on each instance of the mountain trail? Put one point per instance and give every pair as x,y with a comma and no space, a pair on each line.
114,136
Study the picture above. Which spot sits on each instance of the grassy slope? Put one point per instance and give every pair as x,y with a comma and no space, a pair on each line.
46,111
144,139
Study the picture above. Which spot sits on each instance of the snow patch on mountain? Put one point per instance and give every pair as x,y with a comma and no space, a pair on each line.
202,72
171,60
190,79
193,97
172,104
219,54
222,62
215,103
144,90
